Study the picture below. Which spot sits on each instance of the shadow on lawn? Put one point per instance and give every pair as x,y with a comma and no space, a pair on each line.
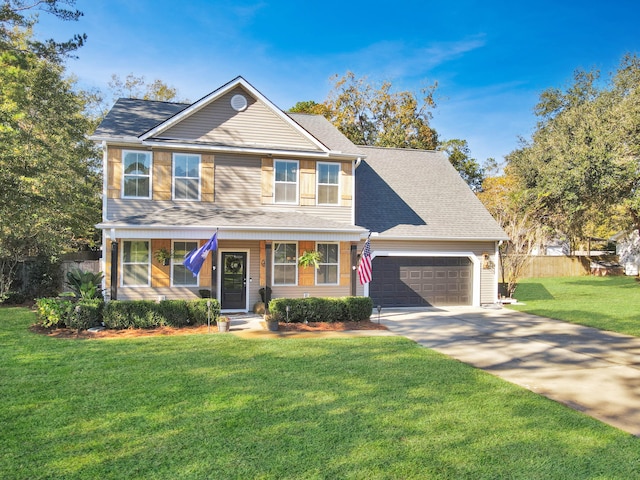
533,291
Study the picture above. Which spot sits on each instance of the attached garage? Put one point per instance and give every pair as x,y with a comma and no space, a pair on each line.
421,281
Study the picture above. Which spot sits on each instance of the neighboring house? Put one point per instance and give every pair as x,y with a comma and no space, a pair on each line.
628,250
274,185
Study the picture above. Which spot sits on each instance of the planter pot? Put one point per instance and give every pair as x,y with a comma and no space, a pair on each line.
272,325
223,326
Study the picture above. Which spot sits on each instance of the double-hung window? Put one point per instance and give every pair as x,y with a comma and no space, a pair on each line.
180,276
135,263
285,264
328,175
329,265
286,181
136,174
186,177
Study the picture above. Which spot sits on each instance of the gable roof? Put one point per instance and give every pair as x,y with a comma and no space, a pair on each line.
325,131
131,117
212,123
404,193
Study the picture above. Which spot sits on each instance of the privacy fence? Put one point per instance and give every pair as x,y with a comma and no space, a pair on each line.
572,266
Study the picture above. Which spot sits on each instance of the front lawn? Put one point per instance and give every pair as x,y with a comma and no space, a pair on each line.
607,303
220,406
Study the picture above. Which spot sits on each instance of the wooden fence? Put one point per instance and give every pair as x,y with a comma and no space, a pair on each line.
565,266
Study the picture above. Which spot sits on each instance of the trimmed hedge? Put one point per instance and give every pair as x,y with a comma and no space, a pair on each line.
314,309
148,314
63,312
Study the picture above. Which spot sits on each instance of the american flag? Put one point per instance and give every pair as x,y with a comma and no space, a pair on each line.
364,267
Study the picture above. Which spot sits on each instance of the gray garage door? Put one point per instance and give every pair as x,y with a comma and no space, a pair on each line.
421,281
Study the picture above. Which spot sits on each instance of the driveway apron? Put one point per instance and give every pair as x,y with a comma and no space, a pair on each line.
593,371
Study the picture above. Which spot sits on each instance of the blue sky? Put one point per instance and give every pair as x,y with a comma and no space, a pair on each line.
491,59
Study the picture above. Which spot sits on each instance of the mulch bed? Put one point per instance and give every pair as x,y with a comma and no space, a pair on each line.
201,329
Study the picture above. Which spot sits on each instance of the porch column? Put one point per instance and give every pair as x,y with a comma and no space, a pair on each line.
267,281
354,263
214,276
114,270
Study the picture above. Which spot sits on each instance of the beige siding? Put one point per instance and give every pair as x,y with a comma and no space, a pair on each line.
311,291
255,126
238,181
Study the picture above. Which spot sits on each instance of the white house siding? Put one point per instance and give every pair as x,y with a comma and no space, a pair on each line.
488,287
258,125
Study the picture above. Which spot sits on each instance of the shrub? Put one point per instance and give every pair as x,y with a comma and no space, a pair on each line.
314,309
119,314
173,313
149,314
86,314
13,297
358,308
198,311
54,312
85,284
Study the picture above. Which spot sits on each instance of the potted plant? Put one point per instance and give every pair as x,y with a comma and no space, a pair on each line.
223,323
163,256
311,258
271,321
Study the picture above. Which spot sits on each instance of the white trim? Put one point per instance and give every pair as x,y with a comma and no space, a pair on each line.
204,101
338,265
273,264
171,144
339,165
275,182
124,154
121,260
426,253
172,263
173,177
247,273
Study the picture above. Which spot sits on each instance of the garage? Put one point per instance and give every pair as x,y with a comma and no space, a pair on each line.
421,281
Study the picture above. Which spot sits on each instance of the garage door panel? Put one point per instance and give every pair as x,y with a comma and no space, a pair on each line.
421,281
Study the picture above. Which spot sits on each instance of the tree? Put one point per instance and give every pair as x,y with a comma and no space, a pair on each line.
376,115
460,157
16,16
582,160
503,196
49,172
137,87
370,115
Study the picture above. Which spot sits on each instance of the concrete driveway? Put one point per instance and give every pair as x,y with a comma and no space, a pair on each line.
590,370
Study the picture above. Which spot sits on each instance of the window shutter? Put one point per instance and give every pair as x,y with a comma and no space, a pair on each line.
267,181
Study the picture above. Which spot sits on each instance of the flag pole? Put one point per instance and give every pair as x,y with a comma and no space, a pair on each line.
213,268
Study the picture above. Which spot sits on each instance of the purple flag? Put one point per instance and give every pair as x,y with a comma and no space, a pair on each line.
196,257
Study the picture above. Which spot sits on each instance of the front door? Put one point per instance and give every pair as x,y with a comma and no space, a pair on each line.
234,281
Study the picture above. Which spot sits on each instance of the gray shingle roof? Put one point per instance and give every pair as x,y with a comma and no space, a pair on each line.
207,216
323,130
416,193
131,117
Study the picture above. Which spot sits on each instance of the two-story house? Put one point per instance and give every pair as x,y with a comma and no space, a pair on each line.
273,185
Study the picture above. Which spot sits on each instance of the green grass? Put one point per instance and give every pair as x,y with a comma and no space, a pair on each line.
219,406
607,303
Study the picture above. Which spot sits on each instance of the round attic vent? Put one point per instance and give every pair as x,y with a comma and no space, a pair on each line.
238,103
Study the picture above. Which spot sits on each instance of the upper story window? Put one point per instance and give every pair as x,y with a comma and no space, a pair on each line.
286,181
186,177
136,178
179,273
135,263
328,175
285,263
329,265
